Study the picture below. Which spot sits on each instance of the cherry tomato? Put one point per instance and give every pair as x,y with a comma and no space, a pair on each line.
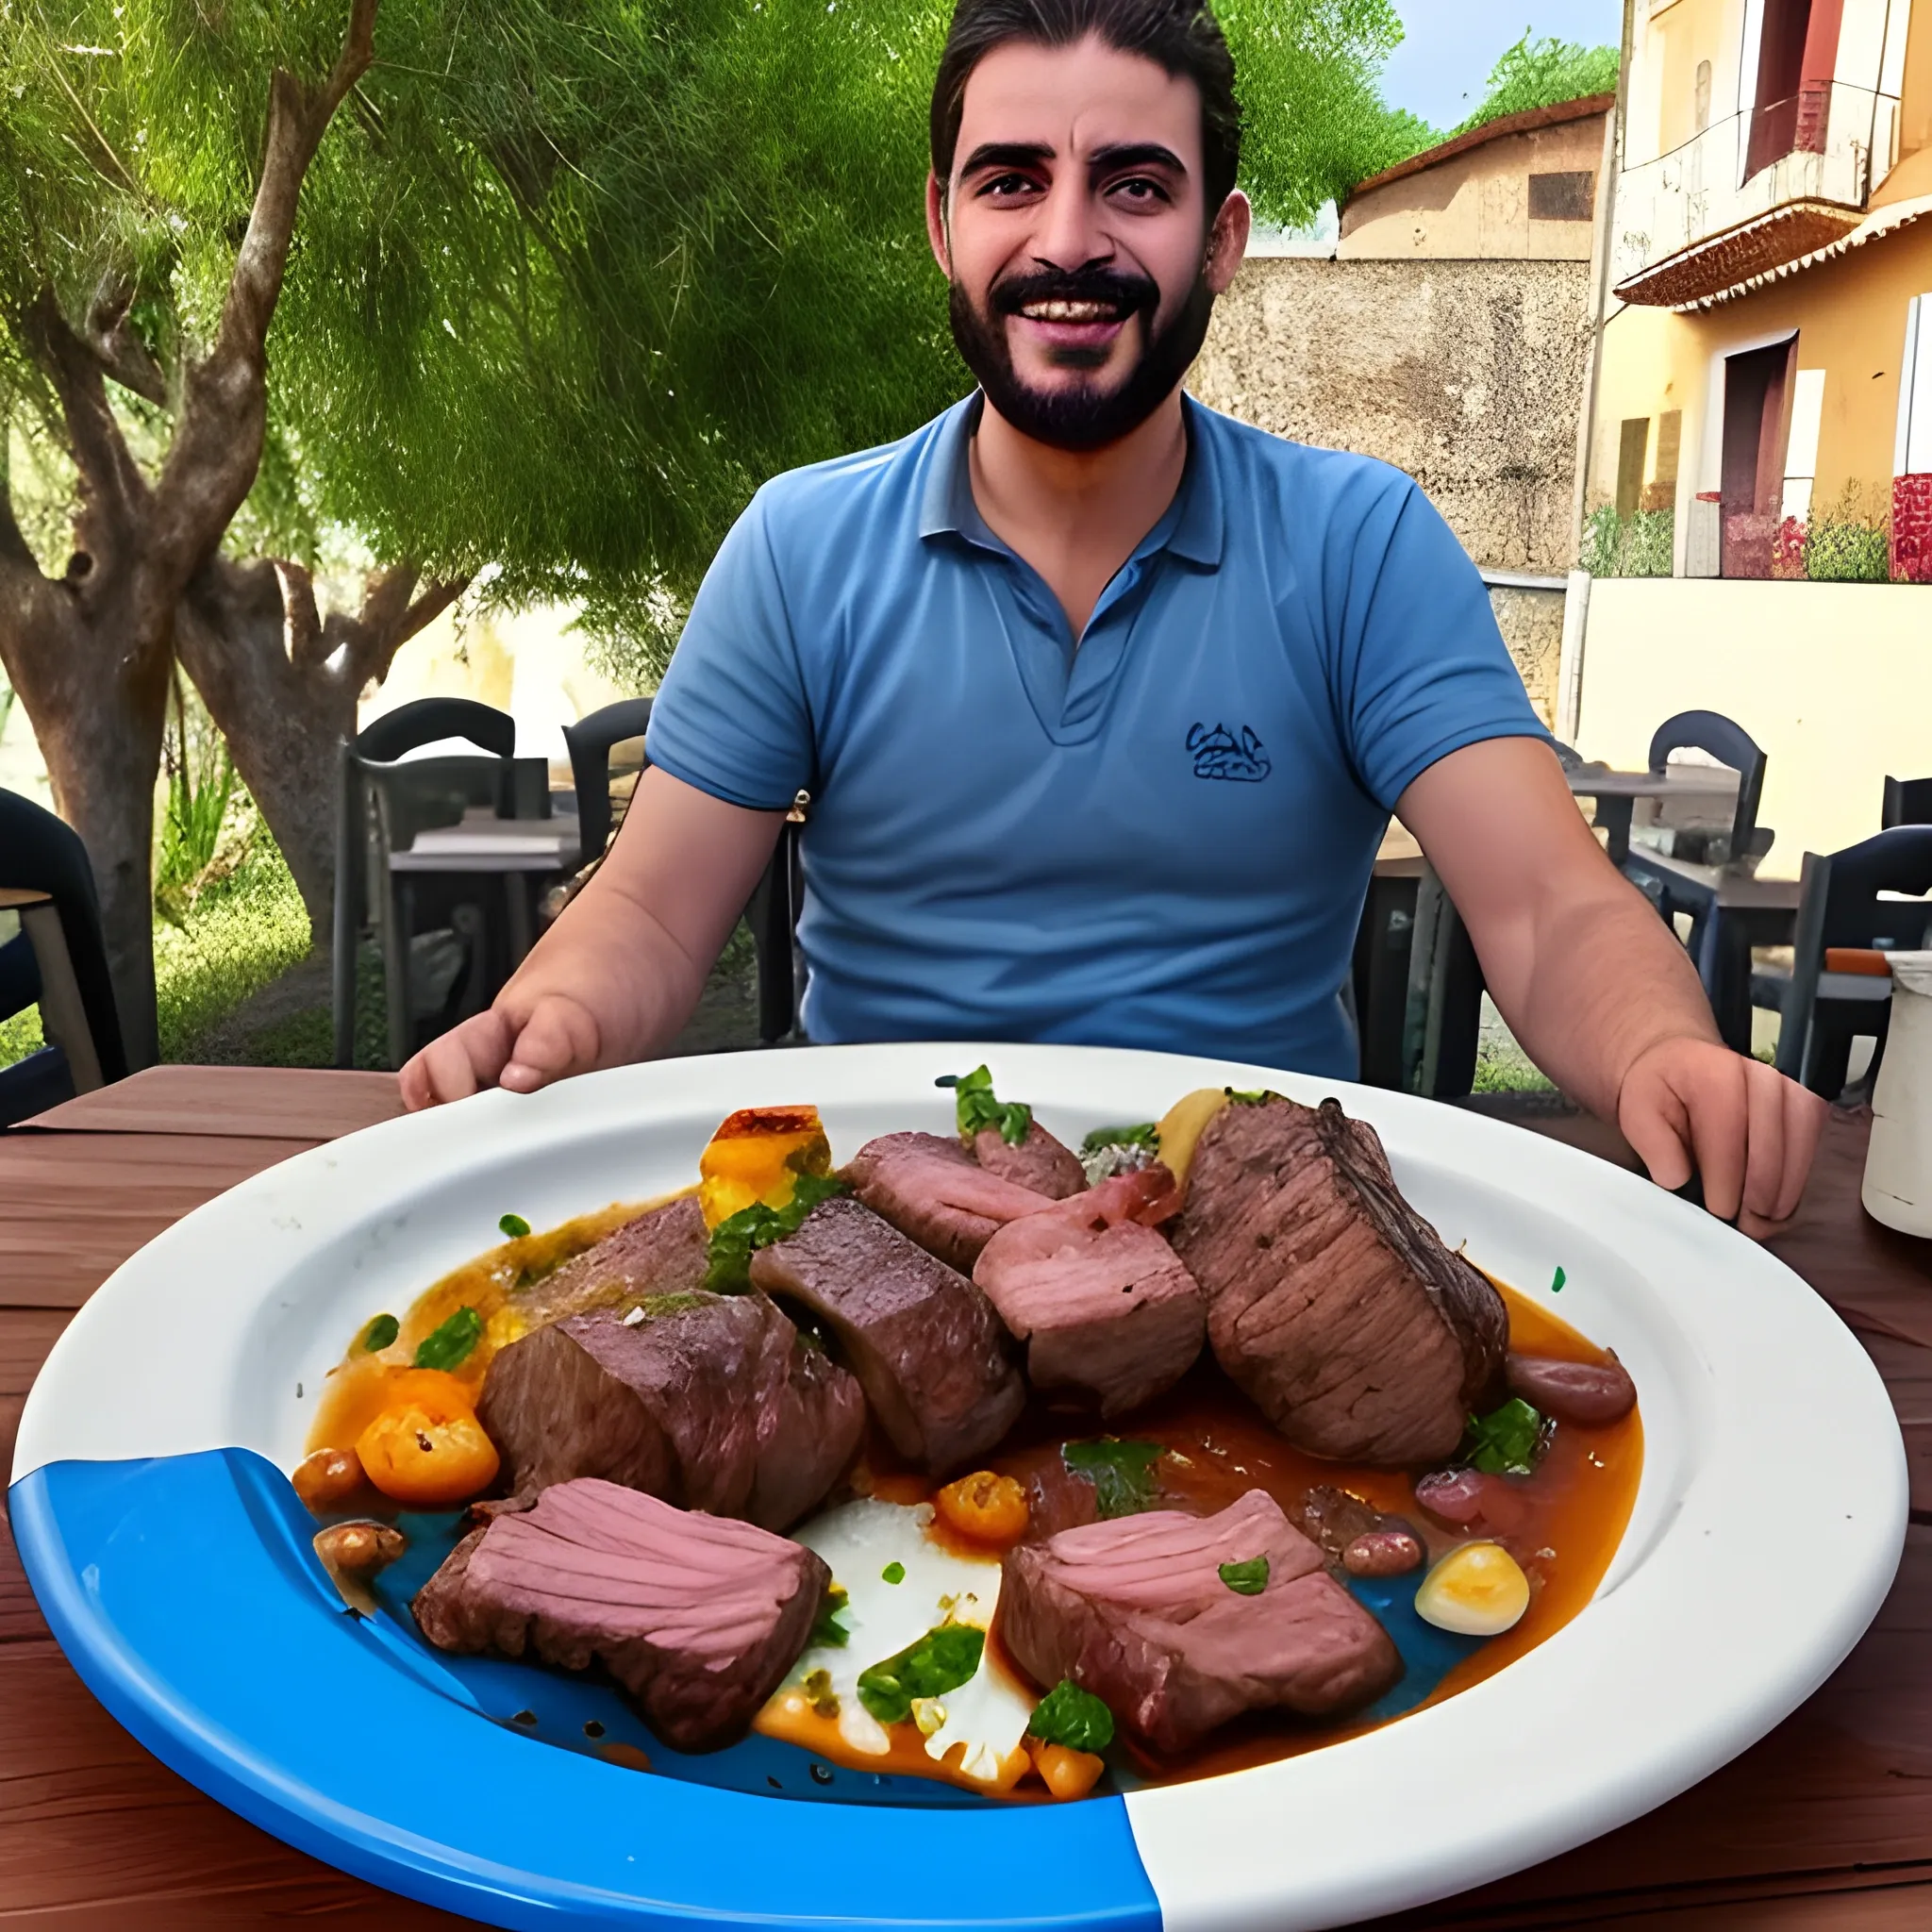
989,1509
427,1448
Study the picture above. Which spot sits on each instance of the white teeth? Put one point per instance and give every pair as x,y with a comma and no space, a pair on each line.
1069,311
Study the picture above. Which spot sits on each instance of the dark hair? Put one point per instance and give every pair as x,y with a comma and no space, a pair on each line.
1182,36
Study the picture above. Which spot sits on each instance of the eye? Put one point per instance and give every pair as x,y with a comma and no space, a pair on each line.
1141,190
1004,187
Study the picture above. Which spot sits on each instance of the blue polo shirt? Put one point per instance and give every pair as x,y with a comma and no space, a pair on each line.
1159,837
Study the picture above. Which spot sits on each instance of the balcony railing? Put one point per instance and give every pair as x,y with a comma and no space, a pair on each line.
1701,190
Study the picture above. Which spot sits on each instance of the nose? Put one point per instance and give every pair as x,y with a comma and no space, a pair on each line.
1071,235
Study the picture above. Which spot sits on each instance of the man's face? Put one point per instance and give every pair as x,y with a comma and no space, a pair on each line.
1074,233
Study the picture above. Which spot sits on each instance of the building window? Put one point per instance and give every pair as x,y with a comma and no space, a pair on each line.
1801,445
1797,51
1632,446
1562,197
1753,464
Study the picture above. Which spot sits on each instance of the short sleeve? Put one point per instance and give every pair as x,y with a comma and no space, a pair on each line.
731,717
1424,668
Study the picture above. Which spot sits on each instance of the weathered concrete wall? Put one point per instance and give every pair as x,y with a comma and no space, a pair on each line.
1532,625
1468,374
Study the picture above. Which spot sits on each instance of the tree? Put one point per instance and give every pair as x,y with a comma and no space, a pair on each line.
568,284
1543,73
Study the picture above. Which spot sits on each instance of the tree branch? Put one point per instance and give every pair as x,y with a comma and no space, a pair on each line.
117,347
110,480
15,552
301,625
217,445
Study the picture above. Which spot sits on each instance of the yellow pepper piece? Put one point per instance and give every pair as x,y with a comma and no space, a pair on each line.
758,1155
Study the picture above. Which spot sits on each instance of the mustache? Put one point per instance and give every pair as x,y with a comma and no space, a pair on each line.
1126,294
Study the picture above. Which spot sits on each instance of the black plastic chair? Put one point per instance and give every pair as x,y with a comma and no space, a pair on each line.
777,899
60,960
1840,905
590,742
1907,801
382,745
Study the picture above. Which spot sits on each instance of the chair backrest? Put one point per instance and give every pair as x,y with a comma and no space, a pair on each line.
418,794
1728,742
590,741
423,721
1907,801
40,853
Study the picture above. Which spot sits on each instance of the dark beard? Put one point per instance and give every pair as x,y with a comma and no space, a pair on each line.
1080,417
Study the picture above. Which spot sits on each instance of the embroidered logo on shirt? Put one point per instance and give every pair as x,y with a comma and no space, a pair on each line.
1219,754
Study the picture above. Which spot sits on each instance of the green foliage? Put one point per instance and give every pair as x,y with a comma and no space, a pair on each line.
1633,546
208,821
568,282
1540,74
1850,542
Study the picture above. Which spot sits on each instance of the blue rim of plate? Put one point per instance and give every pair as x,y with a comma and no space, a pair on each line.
172,1559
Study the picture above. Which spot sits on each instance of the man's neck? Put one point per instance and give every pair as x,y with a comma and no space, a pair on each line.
1078,517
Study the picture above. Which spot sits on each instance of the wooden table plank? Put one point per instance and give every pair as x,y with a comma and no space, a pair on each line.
73,1206
257,1102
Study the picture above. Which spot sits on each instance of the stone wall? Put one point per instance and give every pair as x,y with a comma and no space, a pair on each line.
1468,374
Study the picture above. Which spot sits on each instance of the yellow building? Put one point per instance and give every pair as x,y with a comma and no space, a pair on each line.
1762,401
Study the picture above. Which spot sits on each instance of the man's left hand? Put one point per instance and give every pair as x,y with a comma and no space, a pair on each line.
1690,1106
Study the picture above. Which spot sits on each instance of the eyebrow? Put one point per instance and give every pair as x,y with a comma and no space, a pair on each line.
1029,153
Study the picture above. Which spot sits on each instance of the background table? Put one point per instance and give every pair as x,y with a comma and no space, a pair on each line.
1824,1827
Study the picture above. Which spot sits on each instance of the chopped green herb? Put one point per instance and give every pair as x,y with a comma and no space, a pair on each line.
380,1333
1506,1441
1556,1286
1255,1098
514,1225
893,1572
941,1661
448,1346
818,1693
1144,1135
1247,1579
828,1630
1071,1716
1122,1473
739,1236
675,1303
977,1105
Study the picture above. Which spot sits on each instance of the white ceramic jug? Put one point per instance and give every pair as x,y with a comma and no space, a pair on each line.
1898,1165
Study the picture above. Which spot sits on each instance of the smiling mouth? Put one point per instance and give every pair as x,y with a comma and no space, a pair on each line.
1077,313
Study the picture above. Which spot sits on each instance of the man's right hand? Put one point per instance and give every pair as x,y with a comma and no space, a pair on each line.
558,1037
621,969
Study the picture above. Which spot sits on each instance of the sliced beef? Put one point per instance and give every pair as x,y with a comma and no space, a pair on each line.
1330,1300
1101,1300
661,1252
1038,1161
924,1342
1136,1610
934,1191
697,1617
714,1402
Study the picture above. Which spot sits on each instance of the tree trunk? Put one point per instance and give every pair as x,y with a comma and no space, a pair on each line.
281,683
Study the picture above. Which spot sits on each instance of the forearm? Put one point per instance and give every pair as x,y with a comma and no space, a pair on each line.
1591,982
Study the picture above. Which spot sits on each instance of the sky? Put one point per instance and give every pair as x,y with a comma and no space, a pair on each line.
1449,46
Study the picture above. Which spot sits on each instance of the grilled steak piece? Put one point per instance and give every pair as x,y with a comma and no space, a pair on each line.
1136,1610
1102,1302
933,1191
1039,1162
714,1402
661,1252
698,1618
1330,1300
924,1341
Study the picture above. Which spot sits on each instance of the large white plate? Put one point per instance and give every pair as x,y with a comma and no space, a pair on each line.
1766,1531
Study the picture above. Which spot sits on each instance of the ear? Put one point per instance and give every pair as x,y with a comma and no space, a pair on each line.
935,223
1227,242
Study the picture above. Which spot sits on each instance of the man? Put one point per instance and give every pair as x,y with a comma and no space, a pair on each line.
1103,700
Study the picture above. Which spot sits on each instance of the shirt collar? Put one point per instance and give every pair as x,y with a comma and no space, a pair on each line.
1193,524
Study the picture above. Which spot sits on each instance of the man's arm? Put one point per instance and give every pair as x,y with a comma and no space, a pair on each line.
620,971
1597,988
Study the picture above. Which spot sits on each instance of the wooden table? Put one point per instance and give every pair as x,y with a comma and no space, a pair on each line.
1824,1827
